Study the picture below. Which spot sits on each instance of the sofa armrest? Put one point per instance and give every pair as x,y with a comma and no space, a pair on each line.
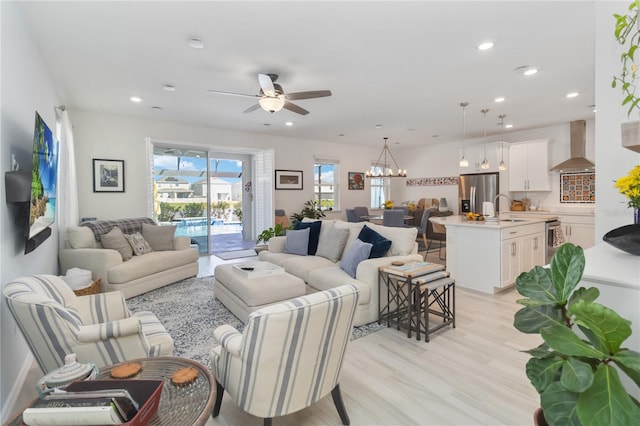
98,261
109,330
181,242
229,338
277,244
102,307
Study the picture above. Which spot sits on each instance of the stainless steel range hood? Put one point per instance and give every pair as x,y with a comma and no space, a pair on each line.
578,142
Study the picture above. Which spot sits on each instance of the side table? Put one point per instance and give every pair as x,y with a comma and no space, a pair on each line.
190,404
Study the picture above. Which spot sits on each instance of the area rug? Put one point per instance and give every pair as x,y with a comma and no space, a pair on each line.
236,254
190,312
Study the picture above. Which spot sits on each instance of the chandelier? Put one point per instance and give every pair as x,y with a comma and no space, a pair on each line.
382,169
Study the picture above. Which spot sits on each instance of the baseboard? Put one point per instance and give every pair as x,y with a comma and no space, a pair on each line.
10,404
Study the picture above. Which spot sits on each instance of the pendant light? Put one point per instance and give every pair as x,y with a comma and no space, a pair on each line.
463,161
502,166
485,163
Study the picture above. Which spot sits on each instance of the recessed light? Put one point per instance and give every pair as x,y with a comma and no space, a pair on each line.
435,136
485,45
169,88
499,99
135,99
508,126
156,107
196,43
527,70
572,94
289,123
266,124
378,126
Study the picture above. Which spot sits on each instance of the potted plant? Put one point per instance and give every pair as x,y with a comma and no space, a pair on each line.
575,373
309,210
269,233
627,33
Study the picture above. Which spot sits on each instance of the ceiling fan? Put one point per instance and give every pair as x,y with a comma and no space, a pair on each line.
272,97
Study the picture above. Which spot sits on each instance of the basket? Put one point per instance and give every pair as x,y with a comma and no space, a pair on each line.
93,288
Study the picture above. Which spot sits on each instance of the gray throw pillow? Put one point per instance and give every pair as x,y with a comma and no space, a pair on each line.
297,241
357,252
137,242
116,240
160,238
332,243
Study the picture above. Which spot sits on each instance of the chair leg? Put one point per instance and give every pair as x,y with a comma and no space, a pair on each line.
219,393
339,403
440,252
267,421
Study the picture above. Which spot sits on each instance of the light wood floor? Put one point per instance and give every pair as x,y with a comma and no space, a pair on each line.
470,375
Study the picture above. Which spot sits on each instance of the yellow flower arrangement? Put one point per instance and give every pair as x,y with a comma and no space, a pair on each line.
388,204
629,186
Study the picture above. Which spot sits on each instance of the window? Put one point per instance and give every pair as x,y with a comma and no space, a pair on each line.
380,188
326,183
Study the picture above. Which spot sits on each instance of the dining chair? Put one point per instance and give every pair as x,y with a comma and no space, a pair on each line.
393,217
351,215
360,213
439,233
422,231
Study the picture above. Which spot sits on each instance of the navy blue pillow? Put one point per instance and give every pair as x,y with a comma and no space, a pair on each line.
314,234
380,244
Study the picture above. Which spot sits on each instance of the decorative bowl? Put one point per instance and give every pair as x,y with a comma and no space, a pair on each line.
625,238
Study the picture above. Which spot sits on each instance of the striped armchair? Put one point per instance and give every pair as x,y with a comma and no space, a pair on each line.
289,355
98,328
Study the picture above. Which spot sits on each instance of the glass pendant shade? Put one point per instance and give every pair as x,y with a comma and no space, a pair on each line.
485,163
502,166
463,161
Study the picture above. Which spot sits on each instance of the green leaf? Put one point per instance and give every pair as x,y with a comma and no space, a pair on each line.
576,376
609,328
559,405
532,319
567,266
564,340
535,302
536,284
541,351
588,295
543,372
606,402
629,362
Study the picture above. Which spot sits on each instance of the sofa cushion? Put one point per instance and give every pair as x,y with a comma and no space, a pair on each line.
381,245
403,240
354,229
81,237
139,245
300,266
160,238
358,252
297,242
332,242
149,264
314,234
321,279
116,240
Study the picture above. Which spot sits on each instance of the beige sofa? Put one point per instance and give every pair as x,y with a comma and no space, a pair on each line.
174,260
320,273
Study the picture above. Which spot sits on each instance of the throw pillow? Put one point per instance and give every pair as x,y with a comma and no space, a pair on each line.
380,244
297,241
139,245
358,252
331,244
160,238
116,240
81,237
314,234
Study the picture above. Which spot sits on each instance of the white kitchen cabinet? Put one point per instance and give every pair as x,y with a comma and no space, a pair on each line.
578,229
522,248
529,166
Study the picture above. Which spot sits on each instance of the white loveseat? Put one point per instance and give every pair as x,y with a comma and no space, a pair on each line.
138,274
320,273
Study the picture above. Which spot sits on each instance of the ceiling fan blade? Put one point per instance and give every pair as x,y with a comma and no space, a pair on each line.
252,108
266,84
295,108
218,92
308,95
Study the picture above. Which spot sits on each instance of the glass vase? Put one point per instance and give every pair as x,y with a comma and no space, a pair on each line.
636,215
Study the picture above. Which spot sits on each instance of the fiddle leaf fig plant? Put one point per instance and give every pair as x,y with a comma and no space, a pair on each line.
574,369
627,34
269,233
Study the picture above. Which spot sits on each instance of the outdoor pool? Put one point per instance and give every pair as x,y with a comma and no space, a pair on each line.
197,226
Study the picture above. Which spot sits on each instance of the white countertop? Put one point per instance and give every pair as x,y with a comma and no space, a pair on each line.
552,212
484,224
607,264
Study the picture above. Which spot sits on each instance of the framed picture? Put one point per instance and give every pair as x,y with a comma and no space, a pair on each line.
356,180
288,179
578,187
108,175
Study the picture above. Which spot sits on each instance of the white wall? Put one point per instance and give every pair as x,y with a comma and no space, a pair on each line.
26,88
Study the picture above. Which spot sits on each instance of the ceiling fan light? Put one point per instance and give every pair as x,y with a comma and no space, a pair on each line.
274,104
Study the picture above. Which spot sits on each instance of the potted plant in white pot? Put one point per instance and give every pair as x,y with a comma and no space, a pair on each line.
627,33
576,370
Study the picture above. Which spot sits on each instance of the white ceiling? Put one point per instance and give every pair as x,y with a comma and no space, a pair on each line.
403,65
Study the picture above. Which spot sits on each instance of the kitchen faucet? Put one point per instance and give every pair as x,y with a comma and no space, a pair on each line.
495,209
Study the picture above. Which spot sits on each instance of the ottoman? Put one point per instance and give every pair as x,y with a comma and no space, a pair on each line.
242,294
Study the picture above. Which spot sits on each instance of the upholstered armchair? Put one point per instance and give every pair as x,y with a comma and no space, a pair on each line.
289,355
98,328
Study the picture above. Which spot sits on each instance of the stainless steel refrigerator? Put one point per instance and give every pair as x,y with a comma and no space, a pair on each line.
474,189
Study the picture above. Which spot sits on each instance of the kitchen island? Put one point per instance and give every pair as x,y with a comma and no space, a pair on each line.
488,256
